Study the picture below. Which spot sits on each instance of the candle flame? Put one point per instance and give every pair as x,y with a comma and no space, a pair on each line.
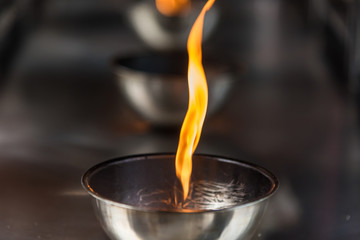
198,100
172,7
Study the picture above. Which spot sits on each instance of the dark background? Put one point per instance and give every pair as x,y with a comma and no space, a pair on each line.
293,111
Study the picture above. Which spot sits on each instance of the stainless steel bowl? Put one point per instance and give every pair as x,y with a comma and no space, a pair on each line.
134,198
168,33
155,85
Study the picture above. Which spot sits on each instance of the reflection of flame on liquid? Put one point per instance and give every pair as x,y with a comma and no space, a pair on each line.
198,99
172,7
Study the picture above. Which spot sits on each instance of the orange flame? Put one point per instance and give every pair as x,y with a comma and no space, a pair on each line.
172,7
198,100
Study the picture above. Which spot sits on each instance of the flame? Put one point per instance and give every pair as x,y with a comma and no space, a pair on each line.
172,7
198,100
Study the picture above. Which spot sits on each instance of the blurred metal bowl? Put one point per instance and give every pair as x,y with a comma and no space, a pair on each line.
162,32
155,85
131,199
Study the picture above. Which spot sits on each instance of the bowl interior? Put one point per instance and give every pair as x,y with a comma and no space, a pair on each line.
149,182
155,63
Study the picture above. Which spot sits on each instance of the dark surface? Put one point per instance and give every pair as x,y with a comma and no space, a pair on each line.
61,113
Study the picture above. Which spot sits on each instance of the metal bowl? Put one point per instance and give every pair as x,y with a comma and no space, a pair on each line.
155,85
135,198
162,32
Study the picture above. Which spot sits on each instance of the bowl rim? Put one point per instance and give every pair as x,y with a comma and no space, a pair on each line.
86,176
229,67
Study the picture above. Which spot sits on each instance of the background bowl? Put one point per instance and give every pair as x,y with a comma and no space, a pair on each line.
134,198
155,85
162,32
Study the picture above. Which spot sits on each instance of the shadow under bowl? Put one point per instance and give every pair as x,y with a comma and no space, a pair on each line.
135,198
155,85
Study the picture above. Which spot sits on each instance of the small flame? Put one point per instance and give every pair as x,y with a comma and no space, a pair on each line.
172,7
198,100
